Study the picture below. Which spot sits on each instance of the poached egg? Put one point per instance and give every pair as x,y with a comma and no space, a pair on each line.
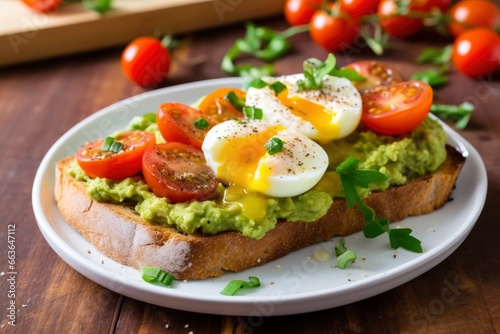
235,151
325,114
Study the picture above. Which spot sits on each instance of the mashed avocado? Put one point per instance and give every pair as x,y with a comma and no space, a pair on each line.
400,158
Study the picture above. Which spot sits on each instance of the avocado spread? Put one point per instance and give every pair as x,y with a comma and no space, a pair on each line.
399,157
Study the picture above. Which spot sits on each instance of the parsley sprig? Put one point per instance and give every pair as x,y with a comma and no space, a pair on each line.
315,70
350,178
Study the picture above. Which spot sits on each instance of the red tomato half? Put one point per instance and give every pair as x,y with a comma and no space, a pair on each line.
176,122
398,108
106,164
43,6
218,108
358,8
298,12
178,172
468,14
145,61
376,73
399,25
333,33
476,52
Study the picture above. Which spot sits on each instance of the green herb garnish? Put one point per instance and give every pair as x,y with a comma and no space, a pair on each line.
110,144
344,255
201,123
237,102
253,112
314,71
100,6
435,78
435,55
274,145
236,285
350,178
278,87
460,114
156,276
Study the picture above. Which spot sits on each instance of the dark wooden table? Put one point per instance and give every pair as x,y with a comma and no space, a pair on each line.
39,102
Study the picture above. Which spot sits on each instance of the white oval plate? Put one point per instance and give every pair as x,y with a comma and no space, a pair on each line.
292,284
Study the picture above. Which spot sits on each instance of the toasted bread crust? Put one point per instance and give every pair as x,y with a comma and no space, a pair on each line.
119,233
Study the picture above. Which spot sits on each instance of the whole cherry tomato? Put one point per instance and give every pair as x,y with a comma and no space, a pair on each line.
400,25
298,12
398,108
43,6
358,8
96,161
178,172
469,14
333,32
146,61
442,5
476,52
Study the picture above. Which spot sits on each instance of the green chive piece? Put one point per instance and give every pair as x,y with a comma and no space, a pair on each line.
108,142
236,285
201,123
274,145
253,112
156,275
278,87
116,147
344,255
258,83
236,102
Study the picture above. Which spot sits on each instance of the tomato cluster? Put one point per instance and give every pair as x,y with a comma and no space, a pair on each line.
336,25
176,169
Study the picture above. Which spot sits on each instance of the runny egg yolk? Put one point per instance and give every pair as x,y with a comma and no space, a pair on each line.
316,114
241,160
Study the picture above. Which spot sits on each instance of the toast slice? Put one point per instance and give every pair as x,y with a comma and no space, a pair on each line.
119,232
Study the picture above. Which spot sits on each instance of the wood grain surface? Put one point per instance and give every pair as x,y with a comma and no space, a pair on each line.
40,101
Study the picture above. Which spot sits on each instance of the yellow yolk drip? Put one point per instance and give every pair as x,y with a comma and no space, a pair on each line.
316,114
241,158
253,205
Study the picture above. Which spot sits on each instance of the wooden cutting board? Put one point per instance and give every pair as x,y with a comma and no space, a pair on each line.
27,36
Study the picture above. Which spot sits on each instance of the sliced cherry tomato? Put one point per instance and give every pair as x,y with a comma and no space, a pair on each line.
178,172
218,108
469,14
476,52
107,164
333,33
398,108
146,61
358,8
298,12
43,6
177,123
400,25
376,73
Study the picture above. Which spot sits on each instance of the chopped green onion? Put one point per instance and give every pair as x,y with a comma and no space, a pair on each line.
116,147
235,101
274,145
278,87
108,142
344,255
156,275
236,285
201,123
253,112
